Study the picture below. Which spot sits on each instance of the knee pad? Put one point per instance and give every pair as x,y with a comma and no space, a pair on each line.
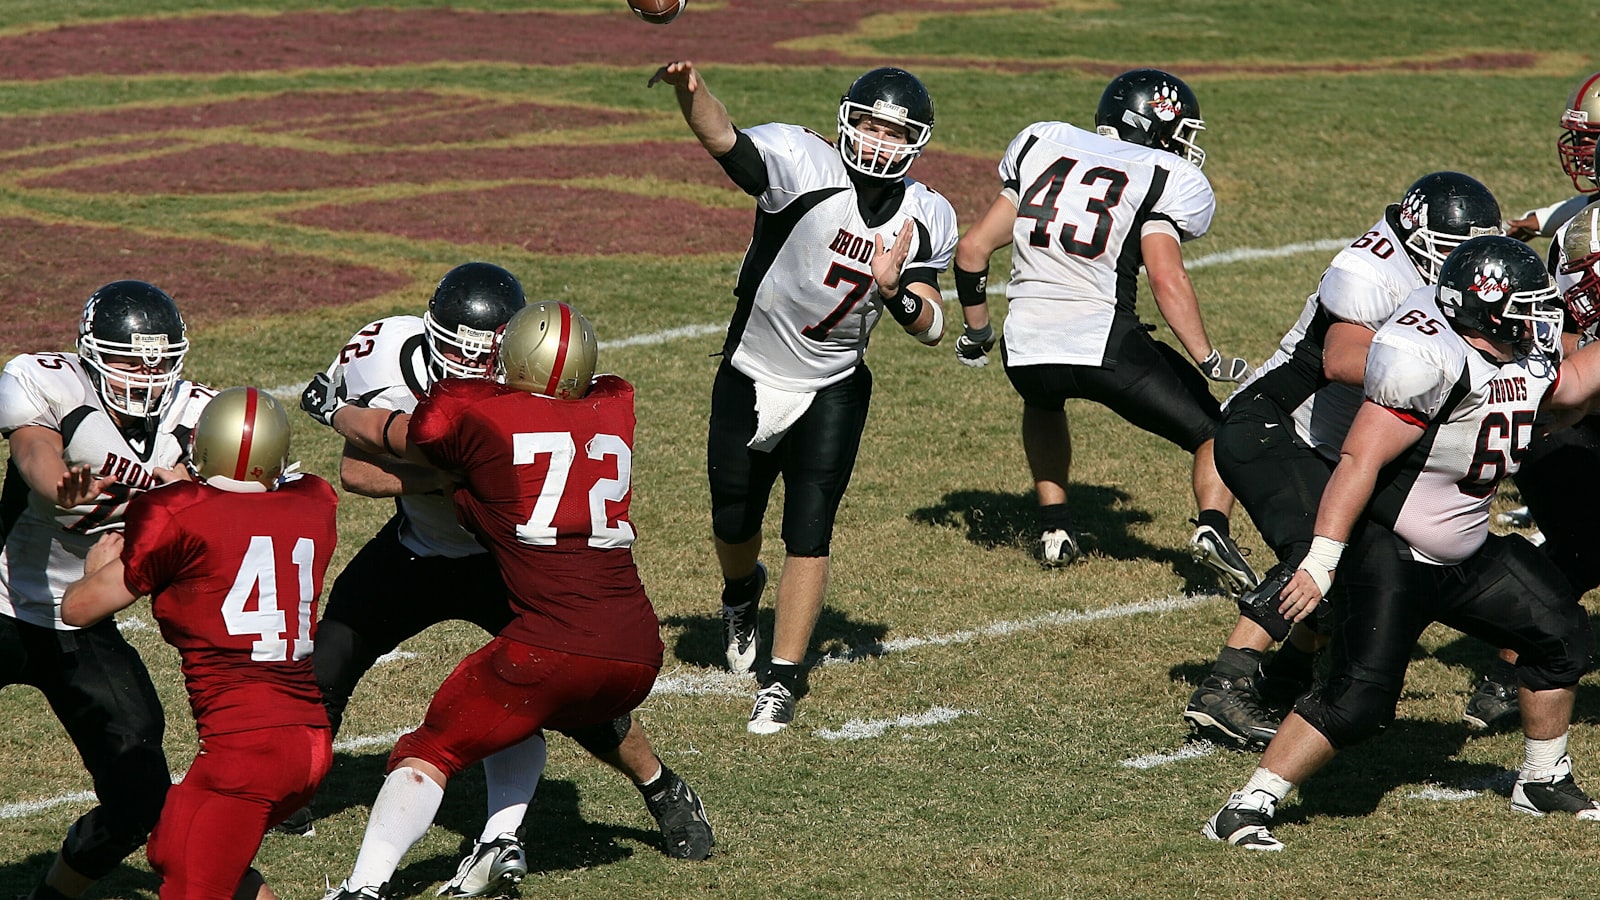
603,738
729,525
98,842
1348,710
1574,660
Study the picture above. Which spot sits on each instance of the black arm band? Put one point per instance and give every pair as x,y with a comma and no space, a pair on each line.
972,287
744,165
388,447
905,306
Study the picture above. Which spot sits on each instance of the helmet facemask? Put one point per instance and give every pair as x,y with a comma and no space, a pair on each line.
464,353
877,156
137,377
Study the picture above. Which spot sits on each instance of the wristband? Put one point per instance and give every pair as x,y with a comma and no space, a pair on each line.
972,287
1321,560
388,421
905,306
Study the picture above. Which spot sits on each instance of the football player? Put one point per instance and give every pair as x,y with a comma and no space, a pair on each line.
842,236
546,455
1580,126
1083,210
88,432
392,589
1454,380
233,563
1281,432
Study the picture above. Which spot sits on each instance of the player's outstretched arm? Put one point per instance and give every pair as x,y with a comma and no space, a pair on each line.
1175,297
706,115
102,590
372,475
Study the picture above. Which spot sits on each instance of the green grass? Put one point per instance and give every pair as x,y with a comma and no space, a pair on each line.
1026,794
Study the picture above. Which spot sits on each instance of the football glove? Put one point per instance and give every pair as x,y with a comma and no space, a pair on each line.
324,396
1225,368
973,346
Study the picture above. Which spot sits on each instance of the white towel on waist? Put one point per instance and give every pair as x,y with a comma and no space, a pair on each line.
776,412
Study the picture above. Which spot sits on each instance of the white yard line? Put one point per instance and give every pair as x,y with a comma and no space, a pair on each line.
1192,750
862,729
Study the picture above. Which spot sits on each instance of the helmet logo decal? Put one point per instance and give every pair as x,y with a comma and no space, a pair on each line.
1575,117
1490,282
1132,118
1165,104
1413,211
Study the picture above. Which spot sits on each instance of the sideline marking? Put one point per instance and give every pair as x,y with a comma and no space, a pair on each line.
862,729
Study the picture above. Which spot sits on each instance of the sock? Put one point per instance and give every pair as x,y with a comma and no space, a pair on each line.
1216,518
1055,518
1538,755
1265,781
400,817
785,673
1503,672
739,591
657,786
1237,662
510,778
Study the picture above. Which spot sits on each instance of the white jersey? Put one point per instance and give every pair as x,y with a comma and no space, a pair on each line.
1083,200
44,544
807,299
1366,282
385,366
1478,418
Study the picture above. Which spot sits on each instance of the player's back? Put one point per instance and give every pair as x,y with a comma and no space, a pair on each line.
235,579
548,486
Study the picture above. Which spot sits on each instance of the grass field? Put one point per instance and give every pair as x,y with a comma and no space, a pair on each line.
291,171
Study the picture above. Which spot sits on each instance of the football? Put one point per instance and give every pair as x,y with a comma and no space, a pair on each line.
657,12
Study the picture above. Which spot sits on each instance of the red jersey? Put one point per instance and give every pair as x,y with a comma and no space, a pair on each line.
548,483
234,580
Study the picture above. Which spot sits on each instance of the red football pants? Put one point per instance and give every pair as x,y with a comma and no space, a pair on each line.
240,785
507,690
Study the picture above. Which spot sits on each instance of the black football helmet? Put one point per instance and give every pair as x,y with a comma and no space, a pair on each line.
890,95
1580,128
1440,211
1580,250
1151,108
1499,287
133,340
464,318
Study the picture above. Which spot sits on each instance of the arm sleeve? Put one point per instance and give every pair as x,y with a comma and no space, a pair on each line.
156,546
1402,379
1188,201
745,166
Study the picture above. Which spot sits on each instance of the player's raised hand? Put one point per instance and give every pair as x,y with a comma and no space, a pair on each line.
887,262
324,395
78,486
678,73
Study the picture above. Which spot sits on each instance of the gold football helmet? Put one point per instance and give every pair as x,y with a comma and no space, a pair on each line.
1581,248
1580,127
243,435
548,348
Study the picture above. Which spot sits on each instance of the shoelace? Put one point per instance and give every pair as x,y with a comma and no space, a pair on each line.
770,700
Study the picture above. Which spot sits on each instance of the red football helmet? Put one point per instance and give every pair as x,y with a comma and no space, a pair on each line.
1580,128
